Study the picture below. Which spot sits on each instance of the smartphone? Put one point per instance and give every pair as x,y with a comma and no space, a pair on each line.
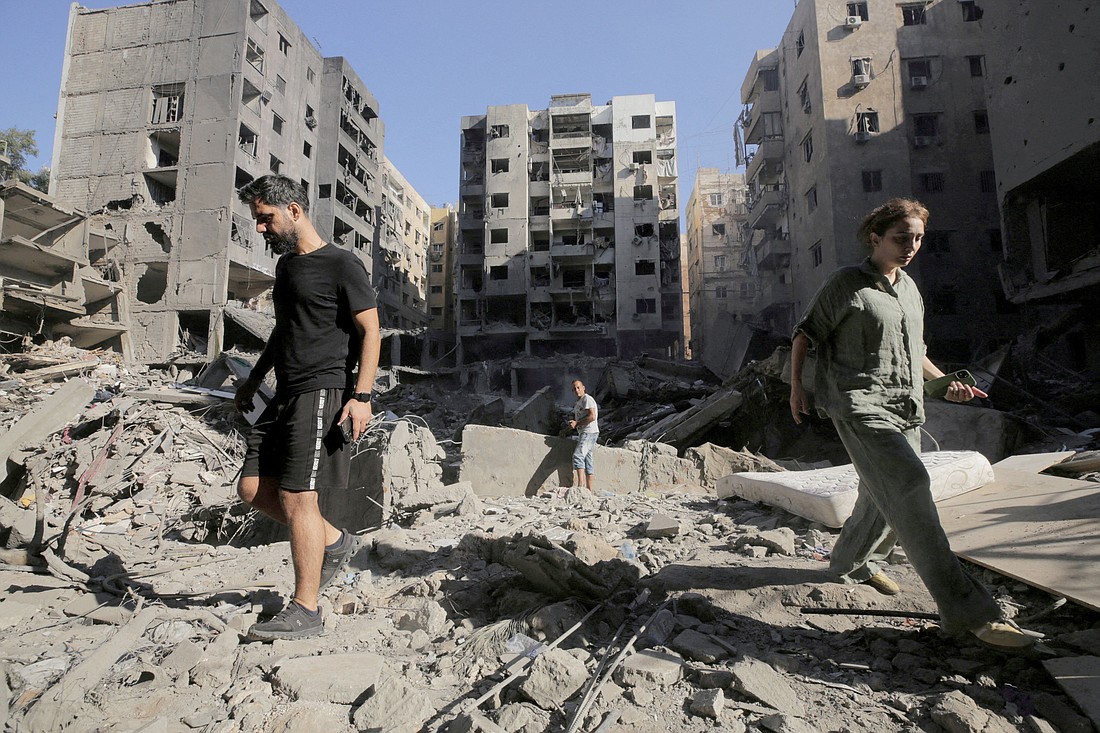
938,387
346,429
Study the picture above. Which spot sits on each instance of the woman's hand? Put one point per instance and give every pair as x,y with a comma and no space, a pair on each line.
962,392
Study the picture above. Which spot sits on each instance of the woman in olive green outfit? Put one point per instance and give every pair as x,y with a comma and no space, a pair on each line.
867,324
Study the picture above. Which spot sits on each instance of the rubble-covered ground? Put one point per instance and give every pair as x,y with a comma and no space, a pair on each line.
645,612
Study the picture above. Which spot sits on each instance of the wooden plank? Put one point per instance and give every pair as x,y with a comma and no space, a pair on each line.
1042,530
1032,462
1080,678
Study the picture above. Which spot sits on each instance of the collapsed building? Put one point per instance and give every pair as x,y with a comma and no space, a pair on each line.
59,273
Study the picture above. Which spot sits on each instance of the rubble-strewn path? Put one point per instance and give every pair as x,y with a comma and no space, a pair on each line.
652,611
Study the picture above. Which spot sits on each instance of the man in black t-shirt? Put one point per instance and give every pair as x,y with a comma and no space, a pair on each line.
326,324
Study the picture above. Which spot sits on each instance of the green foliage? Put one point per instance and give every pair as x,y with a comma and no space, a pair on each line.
21,145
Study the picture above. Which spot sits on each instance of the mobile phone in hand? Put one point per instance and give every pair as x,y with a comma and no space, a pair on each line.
346,429
938,387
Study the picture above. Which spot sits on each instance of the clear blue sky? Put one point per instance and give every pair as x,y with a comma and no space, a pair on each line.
429,62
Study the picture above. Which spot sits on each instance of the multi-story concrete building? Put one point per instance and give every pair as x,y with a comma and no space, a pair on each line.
349,160
864,101
719,288
1043,115
568,229
166,108
401,261
440,278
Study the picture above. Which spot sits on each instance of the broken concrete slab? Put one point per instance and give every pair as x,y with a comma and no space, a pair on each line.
51,415
708,703
553,677
507,462
338,678
780,540
649,668
679,429
394,707
716,461
956,712
970,427
662,525
698,647
760,681
827,495
539,414
1080,678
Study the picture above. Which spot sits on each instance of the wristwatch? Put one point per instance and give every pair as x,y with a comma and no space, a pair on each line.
362,396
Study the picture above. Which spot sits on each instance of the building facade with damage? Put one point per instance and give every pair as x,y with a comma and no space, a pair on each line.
1045,126
719,288
401,258
861,102
166,108
58,273
568,230
441,312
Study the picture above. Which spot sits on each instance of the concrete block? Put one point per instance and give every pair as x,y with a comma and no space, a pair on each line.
338,678
662,525
968,427
827,495
554,677
53,413
708,703
648,668
759,681
395,707
698,647
508,462
539,414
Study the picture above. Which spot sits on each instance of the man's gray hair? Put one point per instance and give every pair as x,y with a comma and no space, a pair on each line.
275,190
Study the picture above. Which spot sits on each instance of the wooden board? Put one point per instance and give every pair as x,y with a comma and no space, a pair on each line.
1041,530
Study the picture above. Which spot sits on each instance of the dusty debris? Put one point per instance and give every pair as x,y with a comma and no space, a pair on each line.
468,604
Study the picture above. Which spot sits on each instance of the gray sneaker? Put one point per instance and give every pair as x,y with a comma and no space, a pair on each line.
336,562
293,622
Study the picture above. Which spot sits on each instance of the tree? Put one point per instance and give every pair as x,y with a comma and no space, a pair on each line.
20,145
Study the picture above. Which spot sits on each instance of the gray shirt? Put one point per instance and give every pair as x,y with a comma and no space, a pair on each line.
869,336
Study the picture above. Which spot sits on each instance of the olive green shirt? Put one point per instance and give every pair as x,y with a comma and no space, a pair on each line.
869,337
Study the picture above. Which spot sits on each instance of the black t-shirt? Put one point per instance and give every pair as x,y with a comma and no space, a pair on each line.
316,296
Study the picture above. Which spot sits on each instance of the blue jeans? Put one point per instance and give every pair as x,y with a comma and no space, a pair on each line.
894,504
582,454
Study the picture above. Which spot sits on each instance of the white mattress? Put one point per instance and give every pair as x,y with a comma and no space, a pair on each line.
827,495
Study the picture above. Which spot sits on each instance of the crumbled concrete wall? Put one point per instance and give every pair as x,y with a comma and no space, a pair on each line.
992,433
507,462
391,463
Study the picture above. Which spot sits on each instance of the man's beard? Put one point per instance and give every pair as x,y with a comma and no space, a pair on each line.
281,244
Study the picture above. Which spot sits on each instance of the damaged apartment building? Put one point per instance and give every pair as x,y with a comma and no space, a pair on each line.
569,234
166,108
1044,106
863,101
58,273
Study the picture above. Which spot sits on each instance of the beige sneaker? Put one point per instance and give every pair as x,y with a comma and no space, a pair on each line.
880,582
1003,635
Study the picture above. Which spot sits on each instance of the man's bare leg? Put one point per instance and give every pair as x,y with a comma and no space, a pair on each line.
590,477
262,494
578,477
307,543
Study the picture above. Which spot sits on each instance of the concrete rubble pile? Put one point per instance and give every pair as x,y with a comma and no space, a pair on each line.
480,604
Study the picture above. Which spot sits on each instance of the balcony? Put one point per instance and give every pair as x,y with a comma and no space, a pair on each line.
754,117
574,252
773,296
573,178
769,150
766,207
773,252
567,211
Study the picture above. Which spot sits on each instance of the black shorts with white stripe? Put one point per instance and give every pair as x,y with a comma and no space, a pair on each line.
297,441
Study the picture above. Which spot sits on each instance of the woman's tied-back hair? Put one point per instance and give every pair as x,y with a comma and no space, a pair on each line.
275,190
890,213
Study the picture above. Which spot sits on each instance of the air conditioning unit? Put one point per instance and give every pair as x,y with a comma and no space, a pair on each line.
852,22
860,80
918,82
862,136
923,141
